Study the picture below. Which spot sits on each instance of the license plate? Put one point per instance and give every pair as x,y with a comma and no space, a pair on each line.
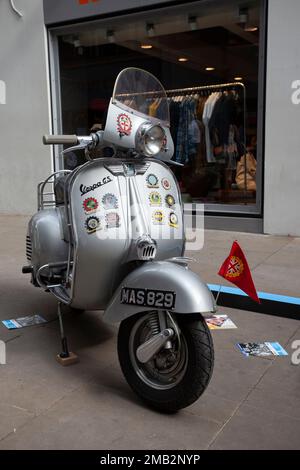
161,299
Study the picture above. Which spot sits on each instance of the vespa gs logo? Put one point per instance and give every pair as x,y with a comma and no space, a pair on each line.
86,189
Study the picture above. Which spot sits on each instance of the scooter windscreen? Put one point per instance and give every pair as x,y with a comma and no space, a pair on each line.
141,93
138,116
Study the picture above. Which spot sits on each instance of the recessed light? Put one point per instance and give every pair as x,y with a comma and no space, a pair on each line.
183,59
146,46
251,29
209,69
238,79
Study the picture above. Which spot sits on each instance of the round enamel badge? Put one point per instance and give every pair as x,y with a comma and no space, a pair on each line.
92,224
170,201
173,219
124,124
166,183
155,198
90,205
110,201
112,220
158,217
152,181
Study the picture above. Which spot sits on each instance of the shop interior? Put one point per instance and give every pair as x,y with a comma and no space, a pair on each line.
207,58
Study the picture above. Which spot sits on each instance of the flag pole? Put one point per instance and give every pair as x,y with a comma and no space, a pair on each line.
218,294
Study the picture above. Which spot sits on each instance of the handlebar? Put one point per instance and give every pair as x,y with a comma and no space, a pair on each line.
60,139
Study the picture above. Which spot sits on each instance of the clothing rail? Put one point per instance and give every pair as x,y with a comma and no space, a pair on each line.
219,86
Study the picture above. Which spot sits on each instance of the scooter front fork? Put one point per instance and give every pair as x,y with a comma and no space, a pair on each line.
162,317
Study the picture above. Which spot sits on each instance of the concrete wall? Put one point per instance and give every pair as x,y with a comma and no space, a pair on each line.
24,113
282,142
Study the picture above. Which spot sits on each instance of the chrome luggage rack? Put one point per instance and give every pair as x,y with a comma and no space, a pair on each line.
45,191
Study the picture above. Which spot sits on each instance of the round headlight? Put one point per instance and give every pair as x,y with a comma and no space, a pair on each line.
150,139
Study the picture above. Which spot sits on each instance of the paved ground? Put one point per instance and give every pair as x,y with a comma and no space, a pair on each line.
250,402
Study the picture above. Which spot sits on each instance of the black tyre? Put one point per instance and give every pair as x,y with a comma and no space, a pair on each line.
174,378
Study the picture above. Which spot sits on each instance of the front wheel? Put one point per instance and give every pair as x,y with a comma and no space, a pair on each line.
175,377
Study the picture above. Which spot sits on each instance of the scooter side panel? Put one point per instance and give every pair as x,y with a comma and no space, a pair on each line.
100,234
192,295
47,243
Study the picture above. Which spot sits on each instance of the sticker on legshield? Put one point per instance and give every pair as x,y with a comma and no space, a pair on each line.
155,198
124,124
152,181
92,224
90,205
110,201
112,220
158,217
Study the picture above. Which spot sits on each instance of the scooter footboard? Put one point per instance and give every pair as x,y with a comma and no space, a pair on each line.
160,285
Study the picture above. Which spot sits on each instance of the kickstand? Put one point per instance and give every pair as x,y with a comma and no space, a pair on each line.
66,357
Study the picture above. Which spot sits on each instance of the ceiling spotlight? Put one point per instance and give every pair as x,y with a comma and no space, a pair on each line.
146,46
182,59
209,69
192,22
110,36
238,79
251,29
150,29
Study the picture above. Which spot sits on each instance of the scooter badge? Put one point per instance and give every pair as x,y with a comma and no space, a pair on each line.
158,217
112,220
166,183
152,181
170,201
90,205
110,201
92,224
155,198
124,124
173,220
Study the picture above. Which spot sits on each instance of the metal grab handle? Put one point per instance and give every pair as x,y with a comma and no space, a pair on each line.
60,139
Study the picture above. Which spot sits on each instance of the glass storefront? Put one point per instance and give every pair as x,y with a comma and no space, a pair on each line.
208,58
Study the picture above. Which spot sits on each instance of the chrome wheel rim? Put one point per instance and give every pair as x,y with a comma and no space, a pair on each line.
167,368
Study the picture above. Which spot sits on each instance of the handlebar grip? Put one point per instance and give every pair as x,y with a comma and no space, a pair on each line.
60,139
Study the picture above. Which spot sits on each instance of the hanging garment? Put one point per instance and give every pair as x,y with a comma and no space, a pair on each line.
174,120
186,147
181,155
223,116
153,107
207,112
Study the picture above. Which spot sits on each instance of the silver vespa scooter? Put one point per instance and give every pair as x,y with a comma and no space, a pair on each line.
112,238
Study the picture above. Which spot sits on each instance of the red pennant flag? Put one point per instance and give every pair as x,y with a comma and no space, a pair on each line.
236,270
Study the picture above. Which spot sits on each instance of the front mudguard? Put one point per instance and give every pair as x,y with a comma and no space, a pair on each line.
192,295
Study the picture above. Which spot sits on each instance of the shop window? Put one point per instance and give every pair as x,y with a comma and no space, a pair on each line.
193,52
